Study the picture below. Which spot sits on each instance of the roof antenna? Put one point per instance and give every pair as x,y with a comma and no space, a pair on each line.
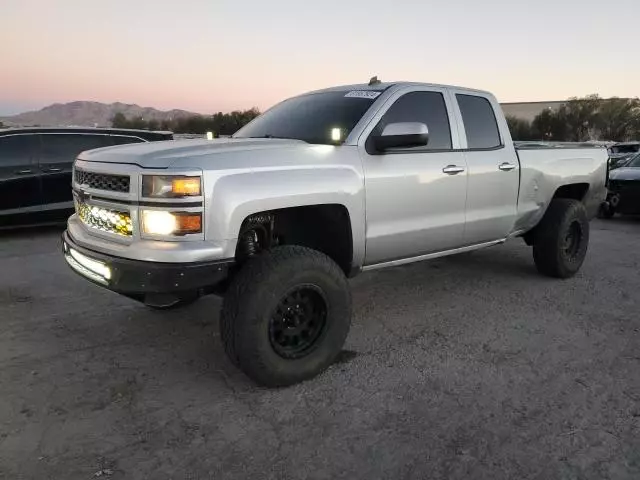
374,81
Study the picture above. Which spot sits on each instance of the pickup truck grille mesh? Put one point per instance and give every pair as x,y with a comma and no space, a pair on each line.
105,220
102,181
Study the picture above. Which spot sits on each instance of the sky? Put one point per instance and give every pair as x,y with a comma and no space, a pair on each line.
220,55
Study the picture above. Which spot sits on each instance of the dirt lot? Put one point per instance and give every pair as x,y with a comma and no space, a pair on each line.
471,367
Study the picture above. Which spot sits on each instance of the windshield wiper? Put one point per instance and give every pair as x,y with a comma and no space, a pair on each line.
268,135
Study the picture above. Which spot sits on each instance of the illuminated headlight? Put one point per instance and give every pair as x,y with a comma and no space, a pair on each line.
160,222
171,186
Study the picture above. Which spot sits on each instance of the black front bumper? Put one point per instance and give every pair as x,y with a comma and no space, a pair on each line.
624,197
136,279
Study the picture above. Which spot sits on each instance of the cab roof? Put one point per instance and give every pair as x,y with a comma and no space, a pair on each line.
382,86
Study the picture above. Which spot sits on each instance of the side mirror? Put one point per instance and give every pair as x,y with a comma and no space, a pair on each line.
402,134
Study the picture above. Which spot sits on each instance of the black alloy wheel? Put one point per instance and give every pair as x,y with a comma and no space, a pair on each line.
298,321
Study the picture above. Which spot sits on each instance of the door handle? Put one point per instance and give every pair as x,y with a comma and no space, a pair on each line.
24,172
506,167
452,169
53,169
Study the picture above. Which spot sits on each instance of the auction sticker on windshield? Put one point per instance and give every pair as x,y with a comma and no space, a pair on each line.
362,94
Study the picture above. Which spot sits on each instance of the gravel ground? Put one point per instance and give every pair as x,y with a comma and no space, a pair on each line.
470,367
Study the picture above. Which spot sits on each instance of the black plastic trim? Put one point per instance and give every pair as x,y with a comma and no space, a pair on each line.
444,150
134,278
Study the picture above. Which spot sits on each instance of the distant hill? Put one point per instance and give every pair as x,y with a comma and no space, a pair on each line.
88,114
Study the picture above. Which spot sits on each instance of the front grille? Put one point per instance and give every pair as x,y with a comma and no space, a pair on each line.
103,181
105,220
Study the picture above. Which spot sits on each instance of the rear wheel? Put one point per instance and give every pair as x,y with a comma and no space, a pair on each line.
286,315
561,239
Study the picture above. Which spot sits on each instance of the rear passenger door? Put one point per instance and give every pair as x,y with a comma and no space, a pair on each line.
55,160
494,170
19,176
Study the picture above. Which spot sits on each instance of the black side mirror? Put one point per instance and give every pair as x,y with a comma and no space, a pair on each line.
402,134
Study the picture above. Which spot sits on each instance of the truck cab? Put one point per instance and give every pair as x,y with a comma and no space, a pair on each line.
320,188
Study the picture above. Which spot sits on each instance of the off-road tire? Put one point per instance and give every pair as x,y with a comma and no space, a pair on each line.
555,252
253,298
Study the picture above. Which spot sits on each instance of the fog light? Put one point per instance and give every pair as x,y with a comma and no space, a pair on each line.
92,265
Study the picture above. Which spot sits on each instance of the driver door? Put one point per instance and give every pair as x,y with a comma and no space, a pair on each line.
415,196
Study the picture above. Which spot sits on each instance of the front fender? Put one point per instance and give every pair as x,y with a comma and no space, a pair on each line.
236,195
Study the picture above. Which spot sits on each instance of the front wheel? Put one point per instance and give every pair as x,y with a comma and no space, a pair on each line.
286,315
561,239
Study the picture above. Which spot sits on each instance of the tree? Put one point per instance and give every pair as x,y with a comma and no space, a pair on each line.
550,126
119,120
220,123
579,115
520,129
619,119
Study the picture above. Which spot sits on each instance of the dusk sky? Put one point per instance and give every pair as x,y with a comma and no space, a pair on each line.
219,55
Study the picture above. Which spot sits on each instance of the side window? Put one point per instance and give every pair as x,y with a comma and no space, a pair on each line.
65,147
122,140
425,107
479,122
16,150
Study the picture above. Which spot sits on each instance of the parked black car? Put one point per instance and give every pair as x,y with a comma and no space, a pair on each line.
620,153
624,190
36,167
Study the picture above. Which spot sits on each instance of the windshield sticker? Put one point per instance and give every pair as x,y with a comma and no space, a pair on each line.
363,94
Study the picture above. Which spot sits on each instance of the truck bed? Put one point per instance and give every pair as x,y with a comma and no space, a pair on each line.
544,166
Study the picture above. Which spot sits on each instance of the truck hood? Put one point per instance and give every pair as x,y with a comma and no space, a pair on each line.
625,173
184,153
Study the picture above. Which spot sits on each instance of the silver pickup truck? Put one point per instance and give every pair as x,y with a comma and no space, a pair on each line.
319,188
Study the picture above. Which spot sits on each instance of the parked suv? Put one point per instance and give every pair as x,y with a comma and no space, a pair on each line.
36,166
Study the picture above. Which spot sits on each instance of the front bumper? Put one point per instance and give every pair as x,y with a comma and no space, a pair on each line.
625,199
137,279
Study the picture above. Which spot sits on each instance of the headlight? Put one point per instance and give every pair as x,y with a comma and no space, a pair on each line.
171,186
160,222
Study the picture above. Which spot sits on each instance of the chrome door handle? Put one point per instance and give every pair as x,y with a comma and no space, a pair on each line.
24,172
506,167
452,169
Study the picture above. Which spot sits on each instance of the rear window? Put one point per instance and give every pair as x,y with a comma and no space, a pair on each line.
625,148
479,122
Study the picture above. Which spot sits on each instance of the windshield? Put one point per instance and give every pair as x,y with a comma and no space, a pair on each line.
322,118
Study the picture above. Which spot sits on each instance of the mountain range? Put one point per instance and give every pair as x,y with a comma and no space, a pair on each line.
89,114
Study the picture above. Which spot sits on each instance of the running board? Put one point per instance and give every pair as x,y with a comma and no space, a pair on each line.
429,256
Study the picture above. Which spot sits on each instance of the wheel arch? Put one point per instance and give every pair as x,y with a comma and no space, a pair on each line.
319,190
